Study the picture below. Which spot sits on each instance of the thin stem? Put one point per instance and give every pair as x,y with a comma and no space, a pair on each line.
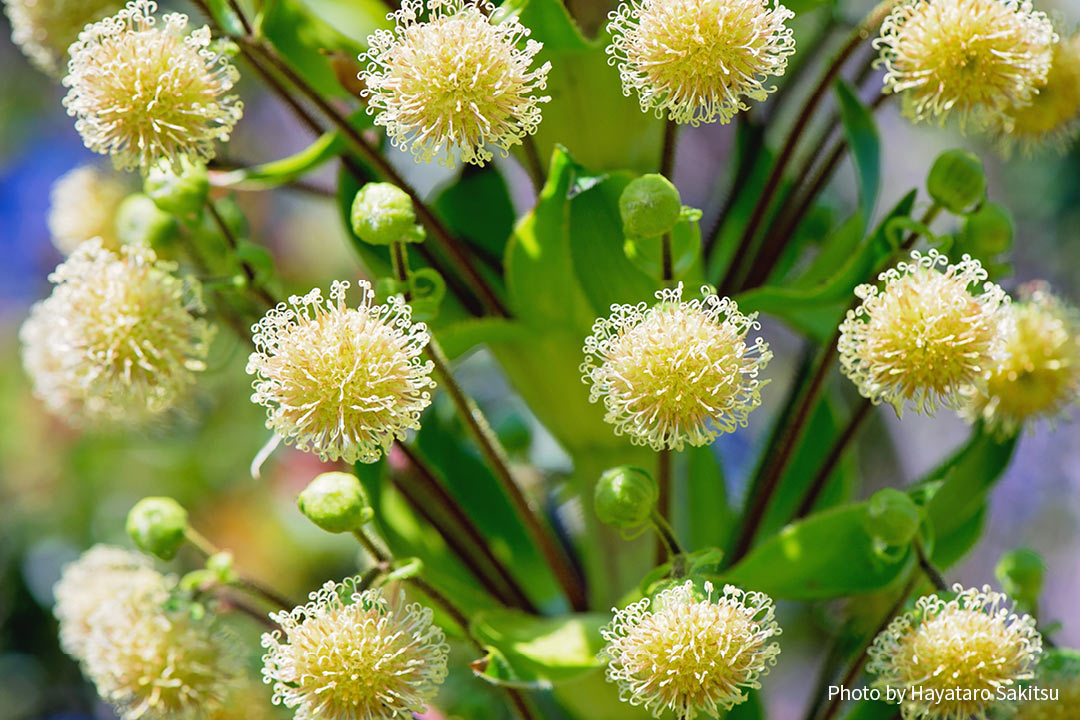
455,251
817,485
495,455
267,593
663,499
667,149
666,535
732,278
242,17
931,572
491,572
534,165
231,241
233,603
200,542
860,660
667,272
744,168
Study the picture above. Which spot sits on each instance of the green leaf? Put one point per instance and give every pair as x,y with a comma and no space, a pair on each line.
478,209
827,555
285,170
818,310
702,514
873,710
528,651
958,489
865,144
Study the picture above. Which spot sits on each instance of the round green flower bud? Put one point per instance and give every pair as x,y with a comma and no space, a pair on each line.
892,517
650,206
157,525
625,497
957,181
182,194
335,501
383,214
1021,574
988,231
140,222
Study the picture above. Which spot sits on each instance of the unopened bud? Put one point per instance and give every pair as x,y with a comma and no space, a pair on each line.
957,181
892,517
650,206
625,497
157,525
181,194
335,501
140,222
1021,574
383,214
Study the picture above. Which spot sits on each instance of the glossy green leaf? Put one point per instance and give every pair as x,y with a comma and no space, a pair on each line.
477,208
528,651
701,512
285,170
827,555
863,139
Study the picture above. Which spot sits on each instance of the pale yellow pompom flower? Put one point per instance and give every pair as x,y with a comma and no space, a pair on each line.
965,56
973,644
1040,378
156,663
1052,120
83,205
931,331
691,654
143,89
350,655
1064,682
454,80
43,29
697,61
119,340
101,575
676,372
338,381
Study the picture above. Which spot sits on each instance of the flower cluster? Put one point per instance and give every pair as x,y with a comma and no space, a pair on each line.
689,654
143,92
83,206
676,372
151,662
44,29
697,60
118,340
354,655
973,642
1040,378
1052,120
965,56
337,381
926,336
454,81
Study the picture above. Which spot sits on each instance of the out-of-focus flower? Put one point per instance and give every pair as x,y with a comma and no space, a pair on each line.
102,574
337,381
974,642
925,336
143,92
688,654
1052,120
697,60
349,654
155,663
962,56
43,29
1065,681
453,81
676,372
83,205
118,339
1040,378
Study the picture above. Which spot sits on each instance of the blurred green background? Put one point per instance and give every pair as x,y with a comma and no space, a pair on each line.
61,491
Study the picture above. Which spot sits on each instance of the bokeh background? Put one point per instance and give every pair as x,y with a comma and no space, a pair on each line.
61,491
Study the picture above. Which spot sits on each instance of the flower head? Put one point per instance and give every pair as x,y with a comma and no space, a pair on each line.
676,372
697,60
1041,375
350,655
118,340
83,205
157,663
454,81
1052,120
44,29
101,575
142,92
338,381
965,56
973,642
1065,681
688,654
925,336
